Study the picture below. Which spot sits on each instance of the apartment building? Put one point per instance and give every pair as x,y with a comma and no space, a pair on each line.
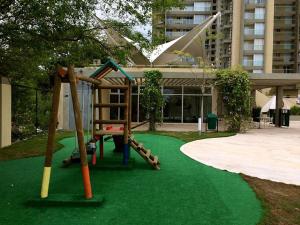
260,35
172,24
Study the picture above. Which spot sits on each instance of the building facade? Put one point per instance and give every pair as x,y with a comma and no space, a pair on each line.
172,24
260,35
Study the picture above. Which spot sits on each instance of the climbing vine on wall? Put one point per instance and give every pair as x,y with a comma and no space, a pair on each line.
234,86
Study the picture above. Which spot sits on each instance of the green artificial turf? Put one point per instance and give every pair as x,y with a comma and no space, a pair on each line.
183,192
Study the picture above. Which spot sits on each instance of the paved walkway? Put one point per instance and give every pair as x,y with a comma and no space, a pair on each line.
270,153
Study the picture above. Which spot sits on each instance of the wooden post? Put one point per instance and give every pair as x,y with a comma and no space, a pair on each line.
126,129
51,136
80,134
129,107
94,110
94,157
100,116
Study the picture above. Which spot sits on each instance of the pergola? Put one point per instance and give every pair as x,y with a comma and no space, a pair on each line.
174,76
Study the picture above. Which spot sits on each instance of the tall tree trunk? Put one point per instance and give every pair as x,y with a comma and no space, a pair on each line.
152,120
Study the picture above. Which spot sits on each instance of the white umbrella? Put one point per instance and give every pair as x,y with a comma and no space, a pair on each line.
271,104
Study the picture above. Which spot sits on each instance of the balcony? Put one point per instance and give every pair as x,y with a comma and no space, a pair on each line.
202,9
285,11
251,4
284,36
176,34
247,63
284,23
180,21
253,63
255,1
249,32
189,10
249,16
259,16
286,46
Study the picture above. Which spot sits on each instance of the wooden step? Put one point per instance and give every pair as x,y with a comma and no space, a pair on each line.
148,153
109,105
140,146
110,121
109,132
155,160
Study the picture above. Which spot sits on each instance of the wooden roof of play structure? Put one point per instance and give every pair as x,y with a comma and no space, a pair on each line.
105,69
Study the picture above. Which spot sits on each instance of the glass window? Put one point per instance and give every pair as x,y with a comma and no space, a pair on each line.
134,89
173,90
191,109
114,90
207,105
248,15
259,13
247,61
259,28
202,6
199,19
248,45
188,8
192,90
172,109
258,60
248,31
259,44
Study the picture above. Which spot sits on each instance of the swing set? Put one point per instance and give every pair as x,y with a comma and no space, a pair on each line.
97,85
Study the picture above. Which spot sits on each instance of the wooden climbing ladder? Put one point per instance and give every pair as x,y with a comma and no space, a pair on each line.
145,153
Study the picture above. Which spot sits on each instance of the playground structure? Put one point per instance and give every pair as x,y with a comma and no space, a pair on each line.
98,122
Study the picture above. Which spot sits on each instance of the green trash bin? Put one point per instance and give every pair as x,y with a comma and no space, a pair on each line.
212,121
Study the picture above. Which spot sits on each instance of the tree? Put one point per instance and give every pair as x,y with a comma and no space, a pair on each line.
152,98
35,35
234,86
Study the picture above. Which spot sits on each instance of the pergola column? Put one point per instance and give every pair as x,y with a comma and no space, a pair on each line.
253,98
279,105
214,100
5,112
298,90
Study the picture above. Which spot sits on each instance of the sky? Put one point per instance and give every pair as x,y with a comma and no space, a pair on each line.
143,29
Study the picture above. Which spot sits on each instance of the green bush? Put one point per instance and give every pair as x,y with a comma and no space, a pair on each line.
152,99
234,86
295,110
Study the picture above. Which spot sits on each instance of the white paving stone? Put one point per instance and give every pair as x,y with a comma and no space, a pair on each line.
269,153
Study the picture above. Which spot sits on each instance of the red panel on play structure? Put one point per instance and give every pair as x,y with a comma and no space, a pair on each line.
114,128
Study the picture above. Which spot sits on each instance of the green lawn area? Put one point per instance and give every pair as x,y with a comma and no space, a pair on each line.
34,146
182,192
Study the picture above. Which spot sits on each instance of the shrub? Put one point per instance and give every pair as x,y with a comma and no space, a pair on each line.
152,99
234,86
295,110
